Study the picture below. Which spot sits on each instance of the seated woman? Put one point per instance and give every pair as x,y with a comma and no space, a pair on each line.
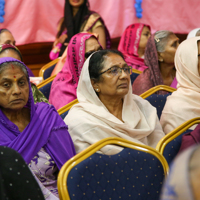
184,103
183,180
63,88
36,131
78,18
6,37
8,50
107,107
132,44
159,57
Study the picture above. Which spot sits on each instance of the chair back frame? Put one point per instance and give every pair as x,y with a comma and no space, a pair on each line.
175,133
63,174
155,89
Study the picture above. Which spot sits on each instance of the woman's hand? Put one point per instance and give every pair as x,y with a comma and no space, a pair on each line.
61,39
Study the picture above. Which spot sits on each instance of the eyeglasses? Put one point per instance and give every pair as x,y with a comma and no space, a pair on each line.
91,52
115,70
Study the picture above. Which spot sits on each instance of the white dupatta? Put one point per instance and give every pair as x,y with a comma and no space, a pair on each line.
184,104
90,121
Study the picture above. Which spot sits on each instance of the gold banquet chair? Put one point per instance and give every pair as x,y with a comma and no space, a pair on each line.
45,86
156,100
135,172
170,144
65,109
134,75
46,70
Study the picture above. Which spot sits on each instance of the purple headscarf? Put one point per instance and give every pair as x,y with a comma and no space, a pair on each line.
63,88
46,129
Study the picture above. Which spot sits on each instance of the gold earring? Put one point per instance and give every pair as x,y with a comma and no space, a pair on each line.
97,89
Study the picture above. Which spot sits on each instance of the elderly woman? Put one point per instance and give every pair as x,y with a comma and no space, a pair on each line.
63,89
132,45
8,50
6,37
78,18
183,181
159,57
184,103
107,107
36,131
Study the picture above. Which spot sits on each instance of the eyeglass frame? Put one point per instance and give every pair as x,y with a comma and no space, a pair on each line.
122,68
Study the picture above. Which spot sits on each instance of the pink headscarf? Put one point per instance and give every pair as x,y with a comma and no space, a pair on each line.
129,44
63,88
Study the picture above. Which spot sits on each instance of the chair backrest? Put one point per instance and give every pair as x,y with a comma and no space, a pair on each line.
155,89
65,109
136,172
134,75
45,86
169,145
47,69
155,100
158,101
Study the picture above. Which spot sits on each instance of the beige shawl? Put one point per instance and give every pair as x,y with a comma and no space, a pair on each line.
184,104
89,121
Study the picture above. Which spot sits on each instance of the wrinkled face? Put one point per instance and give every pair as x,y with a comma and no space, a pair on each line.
91,45
146,33
112,86
10,53
7,38
76,3
170,49
198,45
14,88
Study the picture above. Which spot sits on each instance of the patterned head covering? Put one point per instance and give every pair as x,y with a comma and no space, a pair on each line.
10,46
63,89
129,44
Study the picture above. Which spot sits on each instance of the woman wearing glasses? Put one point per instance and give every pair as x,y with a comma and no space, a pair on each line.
107,107
63,89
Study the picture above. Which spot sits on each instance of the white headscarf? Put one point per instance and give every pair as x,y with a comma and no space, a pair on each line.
192,33
90,121
184,104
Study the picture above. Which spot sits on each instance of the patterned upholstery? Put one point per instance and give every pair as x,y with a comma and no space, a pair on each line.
172,148
46,89
130,174
158,101
133,77
48,71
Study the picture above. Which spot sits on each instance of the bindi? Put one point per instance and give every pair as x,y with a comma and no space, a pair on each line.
14,78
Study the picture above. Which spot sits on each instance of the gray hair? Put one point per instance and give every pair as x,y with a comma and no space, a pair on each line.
5,65
161,38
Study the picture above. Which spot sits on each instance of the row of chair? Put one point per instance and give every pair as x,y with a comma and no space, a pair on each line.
137,171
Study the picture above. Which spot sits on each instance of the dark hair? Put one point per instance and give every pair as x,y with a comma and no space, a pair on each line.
96,63
73,23
4,65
